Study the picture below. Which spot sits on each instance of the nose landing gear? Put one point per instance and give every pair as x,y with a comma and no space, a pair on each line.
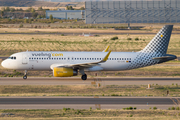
25,75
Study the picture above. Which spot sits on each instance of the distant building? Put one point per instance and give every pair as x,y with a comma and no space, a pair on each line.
66,14
132,11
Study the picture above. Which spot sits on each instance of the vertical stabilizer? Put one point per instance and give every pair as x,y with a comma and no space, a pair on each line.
159,43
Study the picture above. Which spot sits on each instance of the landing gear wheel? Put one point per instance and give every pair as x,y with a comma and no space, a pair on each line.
25,77
84,77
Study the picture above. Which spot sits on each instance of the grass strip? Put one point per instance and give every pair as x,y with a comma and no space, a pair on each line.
90,90
67,113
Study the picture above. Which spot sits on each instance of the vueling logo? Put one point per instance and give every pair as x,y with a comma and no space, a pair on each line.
56,54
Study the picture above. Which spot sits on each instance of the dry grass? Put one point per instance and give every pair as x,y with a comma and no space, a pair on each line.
89,90
15,43
91,114
49,5
30,30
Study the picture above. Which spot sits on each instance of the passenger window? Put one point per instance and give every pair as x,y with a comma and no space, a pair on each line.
30,58
117,58
109,58
11,57
64,58
129,58
87,58
35,58
54,58
77,58
124,58
82,58
97,58
59,58
92,58
47,58
68,58
50,58
114,58
15,58
44,58
39,58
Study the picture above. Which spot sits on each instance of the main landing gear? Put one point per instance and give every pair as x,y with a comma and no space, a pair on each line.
25,75
84,77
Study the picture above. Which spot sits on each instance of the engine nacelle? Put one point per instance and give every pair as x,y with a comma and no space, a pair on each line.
64,72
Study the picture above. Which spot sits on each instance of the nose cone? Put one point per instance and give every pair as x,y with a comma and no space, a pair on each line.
4,64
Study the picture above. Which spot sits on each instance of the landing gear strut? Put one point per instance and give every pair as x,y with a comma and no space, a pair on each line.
84,77
25,75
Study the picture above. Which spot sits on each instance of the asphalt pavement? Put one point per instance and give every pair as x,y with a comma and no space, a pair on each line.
77,81
86,102
114,100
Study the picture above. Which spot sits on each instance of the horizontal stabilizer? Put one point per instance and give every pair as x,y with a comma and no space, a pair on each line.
163,57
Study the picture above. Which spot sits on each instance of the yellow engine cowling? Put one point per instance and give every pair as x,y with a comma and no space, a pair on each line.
64,72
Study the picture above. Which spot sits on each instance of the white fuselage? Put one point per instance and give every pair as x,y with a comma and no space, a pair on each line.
42,60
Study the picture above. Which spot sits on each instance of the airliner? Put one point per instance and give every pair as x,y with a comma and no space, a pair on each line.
67,64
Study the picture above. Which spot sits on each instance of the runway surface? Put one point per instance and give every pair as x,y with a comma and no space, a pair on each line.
84,102
115,100
78,81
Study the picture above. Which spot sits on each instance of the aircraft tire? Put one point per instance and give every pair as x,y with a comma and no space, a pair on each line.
84,77
25,77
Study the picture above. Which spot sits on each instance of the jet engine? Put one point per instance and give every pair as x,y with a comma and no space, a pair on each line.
64,72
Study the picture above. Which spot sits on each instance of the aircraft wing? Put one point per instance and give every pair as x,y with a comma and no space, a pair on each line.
82,65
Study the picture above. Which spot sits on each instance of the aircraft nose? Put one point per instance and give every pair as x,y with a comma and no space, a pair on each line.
4,63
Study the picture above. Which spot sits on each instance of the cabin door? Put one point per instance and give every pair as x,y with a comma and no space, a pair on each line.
24,59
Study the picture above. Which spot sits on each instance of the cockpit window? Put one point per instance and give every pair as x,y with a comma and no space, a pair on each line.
12,57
